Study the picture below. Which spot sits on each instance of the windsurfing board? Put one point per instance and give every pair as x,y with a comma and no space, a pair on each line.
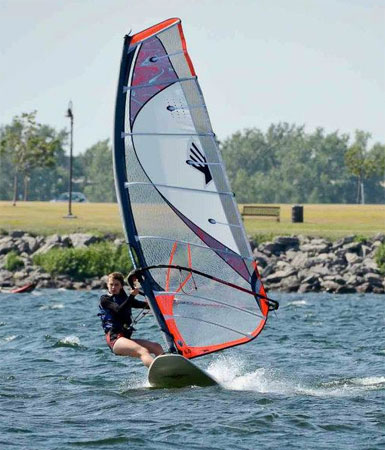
170,370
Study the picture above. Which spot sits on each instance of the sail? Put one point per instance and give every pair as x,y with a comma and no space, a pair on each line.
181,220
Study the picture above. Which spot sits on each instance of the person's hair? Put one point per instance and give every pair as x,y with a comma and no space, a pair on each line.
116,276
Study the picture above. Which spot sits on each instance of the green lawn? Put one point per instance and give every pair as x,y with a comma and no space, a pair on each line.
331,221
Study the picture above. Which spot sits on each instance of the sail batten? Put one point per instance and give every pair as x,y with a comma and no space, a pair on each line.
179,213
167,134
183,188
159,83
211,300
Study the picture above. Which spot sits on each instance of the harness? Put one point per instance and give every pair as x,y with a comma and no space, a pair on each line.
106,318
109,322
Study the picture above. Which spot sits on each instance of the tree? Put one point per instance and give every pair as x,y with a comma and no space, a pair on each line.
98,173
27,149
364,163
287,165
49,182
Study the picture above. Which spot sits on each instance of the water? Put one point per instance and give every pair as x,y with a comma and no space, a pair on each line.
314,379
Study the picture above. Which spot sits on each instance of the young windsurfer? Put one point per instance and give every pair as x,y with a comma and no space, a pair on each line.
115,312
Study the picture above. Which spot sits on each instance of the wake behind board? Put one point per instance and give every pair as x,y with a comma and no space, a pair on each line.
167,371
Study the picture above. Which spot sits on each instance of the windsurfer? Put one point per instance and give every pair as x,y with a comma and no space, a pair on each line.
115,313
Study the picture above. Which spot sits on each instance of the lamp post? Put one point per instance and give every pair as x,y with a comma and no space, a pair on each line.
71,117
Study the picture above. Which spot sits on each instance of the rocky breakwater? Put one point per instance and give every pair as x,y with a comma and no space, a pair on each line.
26,246
304,264
290,264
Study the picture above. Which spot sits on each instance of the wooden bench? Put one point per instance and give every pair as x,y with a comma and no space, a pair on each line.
260,211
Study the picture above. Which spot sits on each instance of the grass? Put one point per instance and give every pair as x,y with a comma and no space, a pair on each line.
330,221
326,220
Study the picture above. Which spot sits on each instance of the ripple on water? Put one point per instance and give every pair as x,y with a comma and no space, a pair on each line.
311,380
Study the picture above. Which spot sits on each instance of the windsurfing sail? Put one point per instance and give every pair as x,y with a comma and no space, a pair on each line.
185,235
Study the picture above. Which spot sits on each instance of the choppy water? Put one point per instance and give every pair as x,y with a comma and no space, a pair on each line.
314,379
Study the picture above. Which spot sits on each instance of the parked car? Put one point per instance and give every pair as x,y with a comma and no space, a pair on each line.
77,197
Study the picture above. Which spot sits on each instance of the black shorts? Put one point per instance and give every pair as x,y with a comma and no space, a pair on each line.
113,336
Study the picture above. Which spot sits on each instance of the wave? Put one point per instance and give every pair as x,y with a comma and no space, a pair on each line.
69,341
53,306
233,373
7,339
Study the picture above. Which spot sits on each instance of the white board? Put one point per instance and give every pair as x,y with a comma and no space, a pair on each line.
176,371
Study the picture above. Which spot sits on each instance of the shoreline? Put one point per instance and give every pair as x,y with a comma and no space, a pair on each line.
287,264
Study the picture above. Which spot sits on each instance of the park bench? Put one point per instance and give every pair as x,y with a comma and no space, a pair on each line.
260,211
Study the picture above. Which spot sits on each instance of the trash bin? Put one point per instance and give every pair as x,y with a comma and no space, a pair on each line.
297,214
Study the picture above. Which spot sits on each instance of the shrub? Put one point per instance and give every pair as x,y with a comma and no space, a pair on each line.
13,262
360,238
80,263
260,238
380,258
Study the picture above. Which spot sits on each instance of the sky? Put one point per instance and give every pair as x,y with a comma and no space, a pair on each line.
318,63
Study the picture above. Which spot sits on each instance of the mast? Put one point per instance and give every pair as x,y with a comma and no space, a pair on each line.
119,163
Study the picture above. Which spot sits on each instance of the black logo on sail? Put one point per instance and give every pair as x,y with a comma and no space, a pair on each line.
199,162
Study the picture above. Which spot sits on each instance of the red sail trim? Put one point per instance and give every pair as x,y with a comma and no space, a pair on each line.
170,262
153,30
263,303
182,284
165,303
184,46
193,352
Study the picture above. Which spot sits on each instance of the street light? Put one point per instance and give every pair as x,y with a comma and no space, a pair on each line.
71,117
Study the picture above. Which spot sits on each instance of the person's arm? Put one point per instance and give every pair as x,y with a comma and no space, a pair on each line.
139,303
107,303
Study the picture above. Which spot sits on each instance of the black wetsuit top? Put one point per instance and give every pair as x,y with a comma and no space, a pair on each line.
116,312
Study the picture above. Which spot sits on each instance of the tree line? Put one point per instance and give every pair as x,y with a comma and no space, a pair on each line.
34,164
285,164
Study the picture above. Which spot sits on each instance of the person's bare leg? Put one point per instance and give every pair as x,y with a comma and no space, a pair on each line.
153,347
128,347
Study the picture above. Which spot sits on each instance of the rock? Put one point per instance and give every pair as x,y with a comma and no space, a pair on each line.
278,276
375,245
353,247
311,279
6,245
20,275
261,258
313,261
341,242
270,248
299,261
378,290
374,279
364,288
47,284
365,250
269,269
370,264
353,258
97,284
51,242
319,269
379,237
17,234
329,285
6,274
352,280
120,242
316,246
83,239
290,284
335,278
287,242
345,289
